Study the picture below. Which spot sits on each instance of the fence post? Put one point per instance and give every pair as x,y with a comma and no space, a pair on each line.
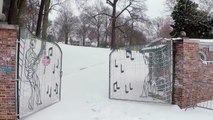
8,72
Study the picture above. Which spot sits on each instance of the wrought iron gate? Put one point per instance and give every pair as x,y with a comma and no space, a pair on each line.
142,75
40,71
201,95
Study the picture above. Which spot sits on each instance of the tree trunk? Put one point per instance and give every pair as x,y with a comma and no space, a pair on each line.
21,12
83,40
66,37
45,19
106,30
131,35
12,16
113,26
84,34
40,16
98,37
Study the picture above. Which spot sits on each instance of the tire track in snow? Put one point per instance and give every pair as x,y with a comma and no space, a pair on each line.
84,68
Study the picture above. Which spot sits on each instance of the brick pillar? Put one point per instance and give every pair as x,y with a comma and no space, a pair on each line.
186,70
190,70
8,38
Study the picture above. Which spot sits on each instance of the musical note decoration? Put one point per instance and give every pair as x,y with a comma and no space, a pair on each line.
50,94
50,51
132,57
126,91
116,64
130,88
54,69
56,88
47,90
129,54
115,86
57,66
122,71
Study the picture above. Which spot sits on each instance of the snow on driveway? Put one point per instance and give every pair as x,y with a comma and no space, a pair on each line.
85,94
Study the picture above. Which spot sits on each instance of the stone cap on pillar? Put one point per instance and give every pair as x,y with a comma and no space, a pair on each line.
4,25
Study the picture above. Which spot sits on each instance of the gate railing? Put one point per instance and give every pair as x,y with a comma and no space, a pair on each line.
201,95
40,72
141,75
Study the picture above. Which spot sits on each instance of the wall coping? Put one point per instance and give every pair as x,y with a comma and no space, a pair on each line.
4,25
193,40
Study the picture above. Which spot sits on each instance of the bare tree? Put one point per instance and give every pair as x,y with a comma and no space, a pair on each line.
128,33
42,24
40,17
133,7
84,27
165,31
206,5
66,24
32,15
98,21
157,27
45,19
170,5
16,8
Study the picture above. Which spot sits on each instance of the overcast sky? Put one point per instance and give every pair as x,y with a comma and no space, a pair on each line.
155,8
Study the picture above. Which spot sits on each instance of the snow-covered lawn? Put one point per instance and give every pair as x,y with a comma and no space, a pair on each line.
85,94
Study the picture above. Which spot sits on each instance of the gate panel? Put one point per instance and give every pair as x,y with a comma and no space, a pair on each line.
201,95
143,75
40,66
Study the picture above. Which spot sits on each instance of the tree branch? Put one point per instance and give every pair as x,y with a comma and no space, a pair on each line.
55,4
121,30
130,3
123,24
109,2
129,13
102,14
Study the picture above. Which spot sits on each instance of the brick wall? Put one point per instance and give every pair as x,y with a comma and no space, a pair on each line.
190,74
8,37
178,72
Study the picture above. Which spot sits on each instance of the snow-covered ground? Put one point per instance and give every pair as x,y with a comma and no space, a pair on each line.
85,94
